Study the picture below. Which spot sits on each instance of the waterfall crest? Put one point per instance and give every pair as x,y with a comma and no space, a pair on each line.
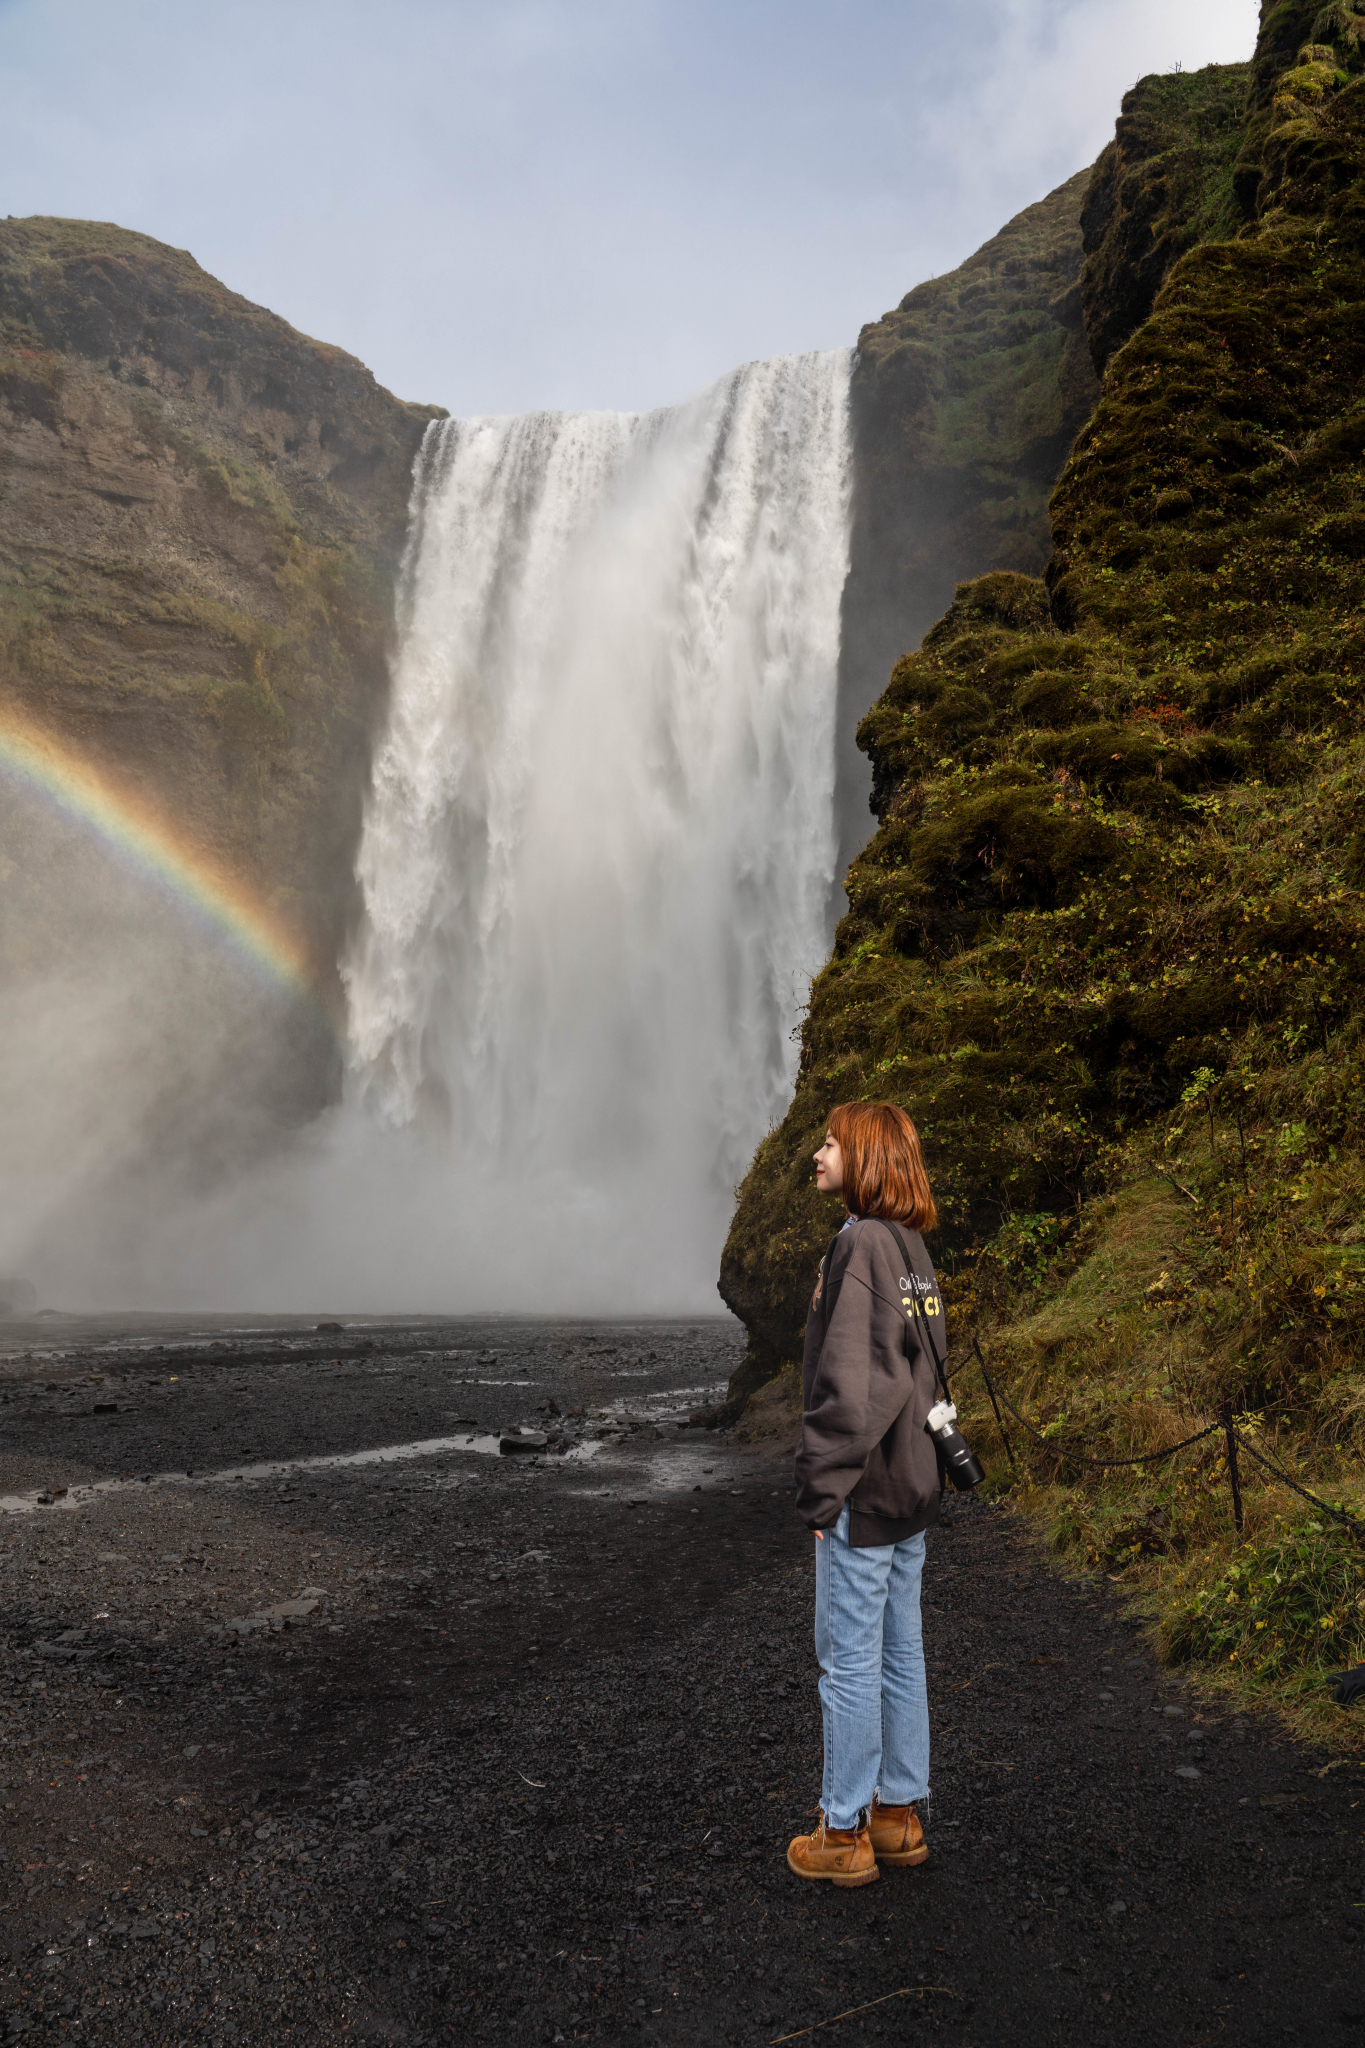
598,853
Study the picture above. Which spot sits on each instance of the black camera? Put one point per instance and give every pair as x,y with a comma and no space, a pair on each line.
962,1467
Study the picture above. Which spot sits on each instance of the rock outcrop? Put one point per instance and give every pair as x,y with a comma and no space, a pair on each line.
965,402
201,515
1162,185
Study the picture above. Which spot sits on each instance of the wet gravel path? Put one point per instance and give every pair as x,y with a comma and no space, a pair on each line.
522,1762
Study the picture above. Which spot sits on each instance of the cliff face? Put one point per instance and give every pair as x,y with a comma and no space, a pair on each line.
1118,860
965,400
1162,185
201,511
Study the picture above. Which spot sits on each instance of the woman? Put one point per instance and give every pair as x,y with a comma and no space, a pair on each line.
868,1485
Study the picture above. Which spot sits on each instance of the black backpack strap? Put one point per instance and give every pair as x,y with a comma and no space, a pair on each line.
916,1309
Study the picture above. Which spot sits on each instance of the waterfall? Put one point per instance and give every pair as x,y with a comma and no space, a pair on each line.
597,859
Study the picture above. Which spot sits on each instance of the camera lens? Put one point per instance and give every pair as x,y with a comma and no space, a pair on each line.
962,1467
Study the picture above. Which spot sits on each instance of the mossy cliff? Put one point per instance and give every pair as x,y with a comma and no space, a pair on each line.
1162,185
1106,942
965,401
202,515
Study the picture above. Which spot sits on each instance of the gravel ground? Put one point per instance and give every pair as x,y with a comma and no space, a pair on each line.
451,1747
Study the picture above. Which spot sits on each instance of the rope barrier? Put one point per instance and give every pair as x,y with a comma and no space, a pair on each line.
999,1419
1232,1435
1077,1457
1352,1522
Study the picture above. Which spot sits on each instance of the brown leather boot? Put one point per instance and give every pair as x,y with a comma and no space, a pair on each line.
897,1836
843,1855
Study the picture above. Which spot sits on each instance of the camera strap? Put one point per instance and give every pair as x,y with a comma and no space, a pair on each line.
916,1309
828,1299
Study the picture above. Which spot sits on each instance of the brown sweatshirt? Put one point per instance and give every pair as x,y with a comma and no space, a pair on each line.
868,1383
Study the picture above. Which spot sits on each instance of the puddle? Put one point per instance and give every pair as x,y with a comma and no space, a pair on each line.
666,1471
50,1500
667,1404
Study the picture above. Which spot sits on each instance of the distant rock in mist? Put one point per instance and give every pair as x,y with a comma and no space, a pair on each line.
203,515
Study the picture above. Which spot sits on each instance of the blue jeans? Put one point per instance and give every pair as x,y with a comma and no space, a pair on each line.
872,1689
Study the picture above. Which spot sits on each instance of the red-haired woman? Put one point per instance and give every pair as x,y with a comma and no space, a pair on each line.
868,1485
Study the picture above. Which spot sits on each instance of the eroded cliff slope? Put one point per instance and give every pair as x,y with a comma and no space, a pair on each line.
965,401
201,511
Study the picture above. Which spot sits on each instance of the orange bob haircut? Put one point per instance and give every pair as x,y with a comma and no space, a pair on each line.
883,1165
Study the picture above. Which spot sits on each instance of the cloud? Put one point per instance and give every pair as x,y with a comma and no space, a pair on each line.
1049,99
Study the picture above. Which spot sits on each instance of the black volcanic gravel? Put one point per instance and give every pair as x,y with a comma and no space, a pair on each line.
526,1769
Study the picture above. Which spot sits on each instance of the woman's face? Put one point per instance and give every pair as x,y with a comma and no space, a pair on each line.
829,1167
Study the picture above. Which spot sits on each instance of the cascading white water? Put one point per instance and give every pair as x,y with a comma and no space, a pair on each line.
598,854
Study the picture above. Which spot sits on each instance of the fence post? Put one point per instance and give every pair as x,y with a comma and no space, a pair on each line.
1230,1436
990,1389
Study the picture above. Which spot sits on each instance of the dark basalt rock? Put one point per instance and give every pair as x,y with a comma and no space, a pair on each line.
966,399
513,1441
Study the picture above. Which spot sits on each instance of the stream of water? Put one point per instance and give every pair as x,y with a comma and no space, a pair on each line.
598,855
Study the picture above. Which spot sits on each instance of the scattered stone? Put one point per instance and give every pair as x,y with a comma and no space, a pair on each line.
521,1440
287,1610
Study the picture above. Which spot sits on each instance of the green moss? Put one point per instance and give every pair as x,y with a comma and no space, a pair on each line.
218,469
249,713
1163,185
975,386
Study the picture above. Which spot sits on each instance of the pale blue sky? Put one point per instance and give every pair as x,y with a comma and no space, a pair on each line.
506,203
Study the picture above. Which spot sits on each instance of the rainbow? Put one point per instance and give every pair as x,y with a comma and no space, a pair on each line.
230,912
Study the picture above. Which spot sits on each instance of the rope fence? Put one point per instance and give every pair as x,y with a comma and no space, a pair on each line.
1224,1426
1352,1522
